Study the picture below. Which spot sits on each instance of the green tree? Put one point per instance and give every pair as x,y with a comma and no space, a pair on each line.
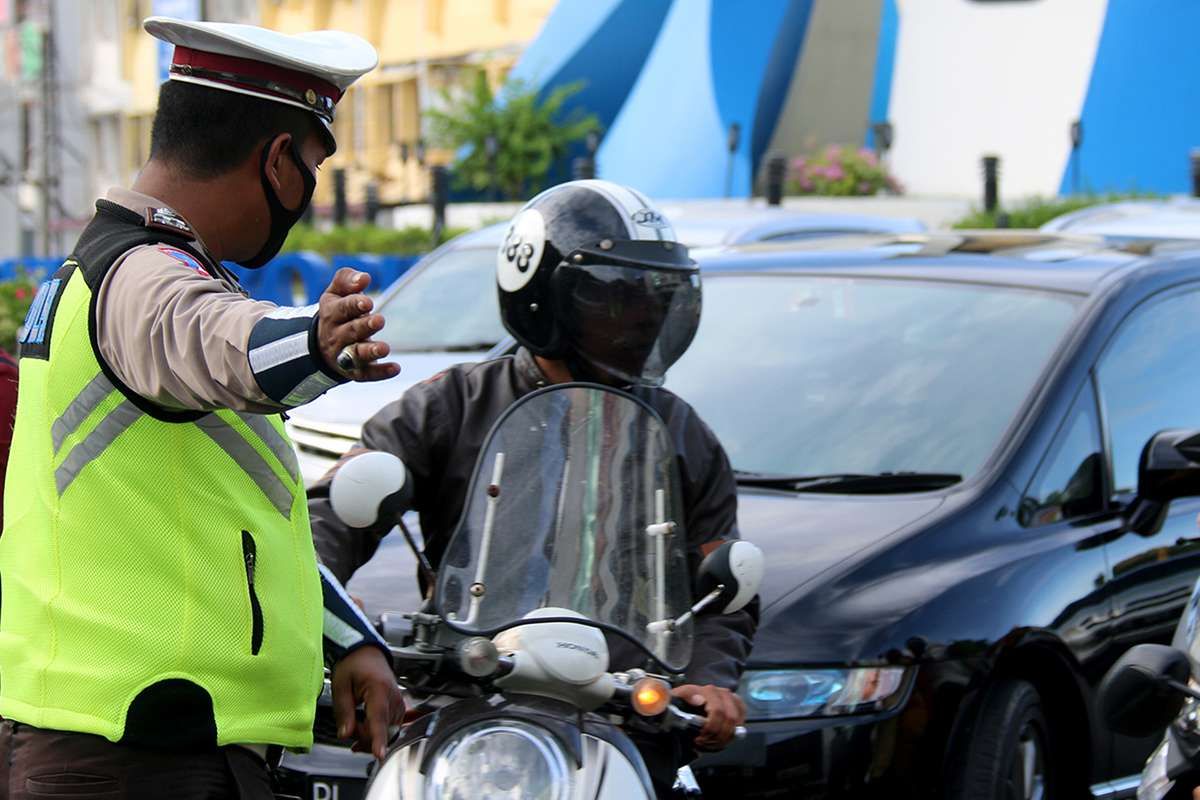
530,134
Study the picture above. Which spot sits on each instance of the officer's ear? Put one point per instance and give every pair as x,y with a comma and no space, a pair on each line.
276,169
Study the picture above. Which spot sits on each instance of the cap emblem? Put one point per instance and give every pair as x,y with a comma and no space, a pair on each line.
310,97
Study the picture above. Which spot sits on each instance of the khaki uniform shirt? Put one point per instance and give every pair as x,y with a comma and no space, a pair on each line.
181,337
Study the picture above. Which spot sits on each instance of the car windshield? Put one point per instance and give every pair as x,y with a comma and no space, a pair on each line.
449,305
831,375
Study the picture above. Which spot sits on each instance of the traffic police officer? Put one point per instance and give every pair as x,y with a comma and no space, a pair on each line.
594,287
162,616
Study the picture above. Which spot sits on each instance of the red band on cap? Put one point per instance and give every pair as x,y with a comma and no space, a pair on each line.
257,71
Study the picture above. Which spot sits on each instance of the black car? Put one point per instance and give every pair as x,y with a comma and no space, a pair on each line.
938,439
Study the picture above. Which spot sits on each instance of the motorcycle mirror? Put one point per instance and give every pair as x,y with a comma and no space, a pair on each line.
737,566
370,488
1135,696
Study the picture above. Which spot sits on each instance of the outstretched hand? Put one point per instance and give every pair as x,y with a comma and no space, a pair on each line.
345,322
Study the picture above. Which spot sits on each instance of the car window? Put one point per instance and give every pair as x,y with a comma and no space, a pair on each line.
818,375
449,305
1149,380
1069,483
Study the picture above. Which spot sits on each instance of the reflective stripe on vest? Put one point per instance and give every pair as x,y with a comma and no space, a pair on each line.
229,439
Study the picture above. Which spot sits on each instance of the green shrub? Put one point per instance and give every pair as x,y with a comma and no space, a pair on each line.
410,240
1037,211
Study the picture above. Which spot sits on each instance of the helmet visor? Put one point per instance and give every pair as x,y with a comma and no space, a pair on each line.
629,322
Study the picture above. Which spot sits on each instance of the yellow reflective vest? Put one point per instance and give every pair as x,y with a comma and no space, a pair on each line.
158,583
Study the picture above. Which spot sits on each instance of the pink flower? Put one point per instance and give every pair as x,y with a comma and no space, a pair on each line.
799,162
806,183
868,155
19,294
835,172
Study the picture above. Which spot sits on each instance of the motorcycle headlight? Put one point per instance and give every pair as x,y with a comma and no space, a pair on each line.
786,693
499,759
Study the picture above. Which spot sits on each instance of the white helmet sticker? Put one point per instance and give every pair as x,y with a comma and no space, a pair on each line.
519,256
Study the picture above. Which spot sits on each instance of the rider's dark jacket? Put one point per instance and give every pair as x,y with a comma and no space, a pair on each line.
438,428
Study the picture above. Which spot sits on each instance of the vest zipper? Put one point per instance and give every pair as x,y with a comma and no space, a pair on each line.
250,557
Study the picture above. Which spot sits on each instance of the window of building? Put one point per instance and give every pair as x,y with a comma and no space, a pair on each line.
1069,483
1149,379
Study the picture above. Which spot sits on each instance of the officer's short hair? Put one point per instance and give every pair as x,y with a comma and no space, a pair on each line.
208,132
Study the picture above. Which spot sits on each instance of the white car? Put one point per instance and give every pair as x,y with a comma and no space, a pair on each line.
1177,218
443,311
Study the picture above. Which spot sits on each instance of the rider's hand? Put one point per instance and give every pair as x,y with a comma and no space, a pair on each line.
365,677
344,319
724,709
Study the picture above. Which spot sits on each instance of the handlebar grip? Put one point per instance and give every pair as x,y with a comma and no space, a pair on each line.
695,722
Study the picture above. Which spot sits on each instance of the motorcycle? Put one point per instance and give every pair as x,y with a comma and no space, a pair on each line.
569,558
1153,687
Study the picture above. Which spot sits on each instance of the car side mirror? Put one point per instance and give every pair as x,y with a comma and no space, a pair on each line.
1136,696
1169,468
370,488
736,569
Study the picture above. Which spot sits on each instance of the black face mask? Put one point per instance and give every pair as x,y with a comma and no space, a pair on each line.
282,219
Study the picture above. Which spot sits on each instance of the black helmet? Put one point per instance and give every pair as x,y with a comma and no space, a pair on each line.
590,272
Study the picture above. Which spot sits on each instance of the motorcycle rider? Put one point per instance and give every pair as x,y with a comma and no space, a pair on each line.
594,288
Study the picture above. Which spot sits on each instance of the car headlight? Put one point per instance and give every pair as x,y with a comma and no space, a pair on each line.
499,759
784,693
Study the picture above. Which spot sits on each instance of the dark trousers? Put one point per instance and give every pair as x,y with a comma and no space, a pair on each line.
37,764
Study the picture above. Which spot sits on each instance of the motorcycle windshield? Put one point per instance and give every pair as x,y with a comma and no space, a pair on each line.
574,505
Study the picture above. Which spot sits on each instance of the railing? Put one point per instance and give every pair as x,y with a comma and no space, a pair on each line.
287,280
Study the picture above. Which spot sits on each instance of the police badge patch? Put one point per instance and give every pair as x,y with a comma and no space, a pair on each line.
164,219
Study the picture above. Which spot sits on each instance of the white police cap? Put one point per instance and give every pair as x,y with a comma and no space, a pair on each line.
307,70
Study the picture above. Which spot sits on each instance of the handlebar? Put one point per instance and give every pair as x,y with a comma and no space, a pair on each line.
677,718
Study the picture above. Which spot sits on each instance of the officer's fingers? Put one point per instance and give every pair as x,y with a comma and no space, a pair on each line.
359,330
348,281
397,706
343,704
378,696
376,372
336,309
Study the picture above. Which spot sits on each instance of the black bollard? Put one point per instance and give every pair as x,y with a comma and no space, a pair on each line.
371,207
776,168
439,189
339,196
1195,157
583,168
991,183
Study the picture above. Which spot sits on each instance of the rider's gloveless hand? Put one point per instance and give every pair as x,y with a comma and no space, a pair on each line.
723,708
345,320
365,677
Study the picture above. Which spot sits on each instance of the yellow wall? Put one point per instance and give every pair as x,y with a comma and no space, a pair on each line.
420,43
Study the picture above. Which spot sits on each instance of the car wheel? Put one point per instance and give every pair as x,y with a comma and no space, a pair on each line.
1009,752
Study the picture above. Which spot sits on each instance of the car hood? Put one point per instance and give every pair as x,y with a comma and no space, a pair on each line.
804,535
352,404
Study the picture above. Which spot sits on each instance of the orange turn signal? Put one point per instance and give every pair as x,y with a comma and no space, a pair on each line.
651,697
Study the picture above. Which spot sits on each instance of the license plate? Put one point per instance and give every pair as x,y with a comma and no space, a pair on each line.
337,789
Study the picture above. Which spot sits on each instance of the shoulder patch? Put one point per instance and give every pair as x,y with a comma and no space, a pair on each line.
164,219
185,258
